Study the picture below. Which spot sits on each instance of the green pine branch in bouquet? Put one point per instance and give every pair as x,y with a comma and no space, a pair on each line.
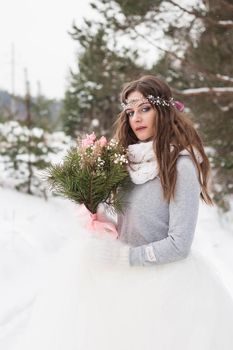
91,173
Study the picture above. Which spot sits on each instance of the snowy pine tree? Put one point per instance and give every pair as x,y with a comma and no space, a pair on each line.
92,98
190,47
24,153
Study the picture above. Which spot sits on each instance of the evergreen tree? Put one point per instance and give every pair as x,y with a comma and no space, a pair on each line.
44,114
195,57
24,153
92,100
190,47
212,68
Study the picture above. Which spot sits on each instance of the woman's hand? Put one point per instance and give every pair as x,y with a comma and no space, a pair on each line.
104,214
107,251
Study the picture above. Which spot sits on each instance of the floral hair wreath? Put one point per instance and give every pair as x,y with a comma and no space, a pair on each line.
159,101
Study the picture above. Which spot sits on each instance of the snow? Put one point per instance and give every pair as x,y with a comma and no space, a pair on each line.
15,155
227,23
225,77
34,230
207,90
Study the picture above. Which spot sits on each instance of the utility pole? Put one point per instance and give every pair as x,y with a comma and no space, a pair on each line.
13,107
29,125
38,90
39,97
27,100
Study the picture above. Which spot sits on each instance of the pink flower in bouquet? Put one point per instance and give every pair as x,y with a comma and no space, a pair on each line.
102,141
89,140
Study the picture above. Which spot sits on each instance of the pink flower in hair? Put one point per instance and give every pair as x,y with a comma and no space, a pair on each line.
179,105
89,140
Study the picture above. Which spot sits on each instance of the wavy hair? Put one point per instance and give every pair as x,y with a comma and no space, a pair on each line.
171,127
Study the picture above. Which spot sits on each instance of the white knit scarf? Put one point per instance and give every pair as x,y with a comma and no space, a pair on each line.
143,165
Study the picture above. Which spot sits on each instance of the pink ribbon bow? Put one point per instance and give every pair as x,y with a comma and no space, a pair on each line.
94,224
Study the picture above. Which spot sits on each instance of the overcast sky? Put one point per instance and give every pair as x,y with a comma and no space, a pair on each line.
38,30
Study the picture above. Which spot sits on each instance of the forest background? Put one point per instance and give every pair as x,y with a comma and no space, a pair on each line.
188,44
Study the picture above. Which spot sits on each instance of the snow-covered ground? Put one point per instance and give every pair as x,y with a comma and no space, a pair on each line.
33,230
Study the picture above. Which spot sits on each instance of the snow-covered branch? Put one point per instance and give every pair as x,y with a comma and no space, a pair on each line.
190,12
224,77
207,73
228,24
198,14
205,91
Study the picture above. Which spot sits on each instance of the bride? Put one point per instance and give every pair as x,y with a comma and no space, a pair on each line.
149,289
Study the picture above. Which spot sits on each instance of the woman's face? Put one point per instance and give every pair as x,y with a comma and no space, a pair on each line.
141,116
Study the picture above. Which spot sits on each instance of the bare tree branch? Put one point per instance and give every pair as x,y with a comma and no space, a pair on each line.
209,74
226,24
190,12
144,37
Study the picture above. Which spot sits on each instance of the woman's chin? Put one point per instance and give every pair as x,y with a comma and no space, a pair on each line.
145,139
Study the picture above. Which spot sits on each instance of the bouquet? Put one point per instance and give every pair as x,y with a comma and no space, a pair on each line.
91,173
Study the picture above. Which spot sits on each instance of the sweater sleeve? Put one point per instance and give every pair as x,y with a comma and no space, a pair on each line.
183,214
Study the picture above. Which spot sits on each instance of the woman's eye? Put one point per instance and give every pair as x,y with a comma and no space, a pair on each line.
129,114
145,109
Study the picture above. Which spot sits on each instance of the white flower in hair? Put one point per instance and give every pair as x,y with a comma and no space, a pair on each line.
155,100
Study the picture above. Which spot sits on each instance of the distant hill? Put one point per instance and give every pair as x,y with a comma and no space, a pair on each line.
41,108
5,100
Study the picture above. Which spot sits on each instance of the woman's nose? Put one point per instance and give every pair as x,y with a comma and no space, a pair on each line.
137,115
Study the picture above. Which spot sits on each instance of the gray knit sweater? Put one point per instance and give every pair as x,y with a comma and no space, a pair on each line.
149,223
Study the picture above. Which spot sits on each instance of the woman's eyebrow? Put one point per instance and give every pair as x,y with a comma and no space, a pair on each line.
128,108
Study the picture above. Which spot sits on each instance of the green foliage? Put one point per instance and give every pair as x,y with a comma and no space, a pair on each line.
90,176
212,57
92,99
193,50
199,55
24,152
140,8
45,113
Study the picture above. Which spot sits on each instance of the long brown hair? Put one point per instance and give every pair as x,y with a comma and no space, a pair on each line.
171,127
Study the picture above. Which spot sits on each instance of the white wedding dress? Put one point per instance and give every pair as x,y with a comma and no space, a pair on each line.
177,306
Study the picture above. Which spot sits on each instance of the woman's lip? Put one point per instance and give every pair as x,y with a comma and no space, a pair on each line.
140,128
